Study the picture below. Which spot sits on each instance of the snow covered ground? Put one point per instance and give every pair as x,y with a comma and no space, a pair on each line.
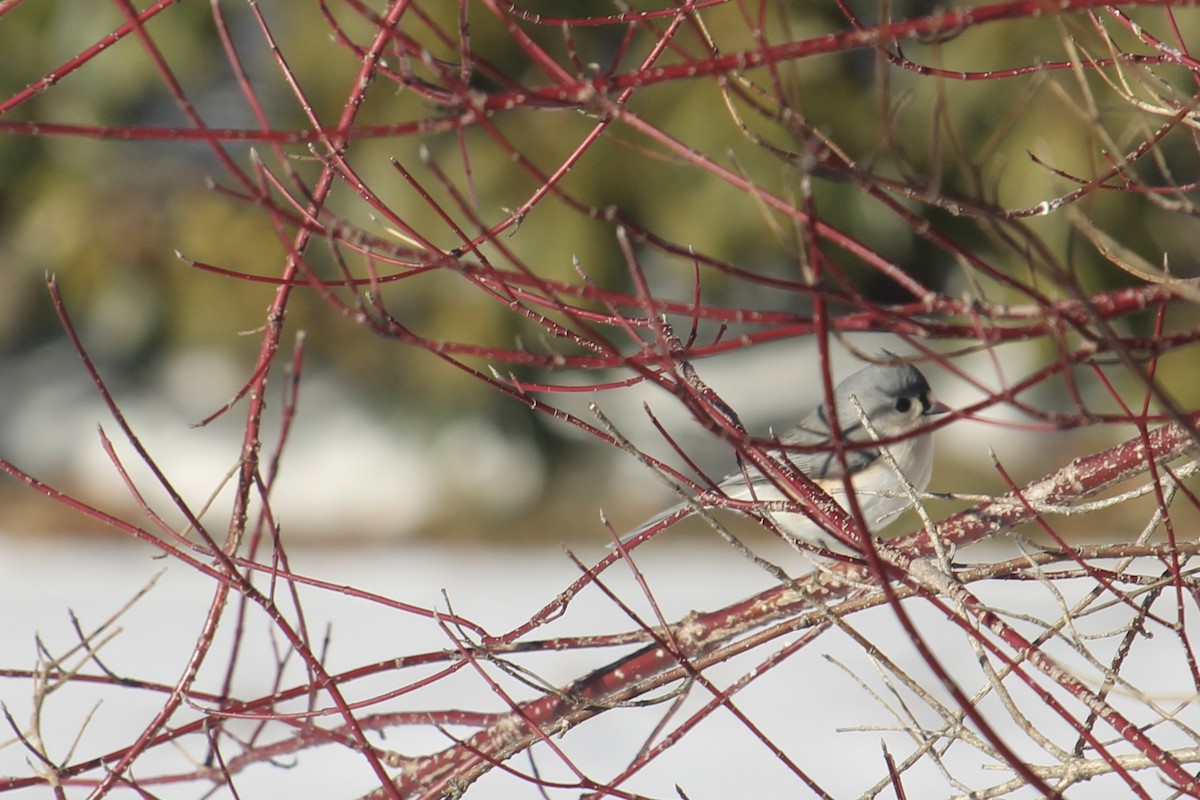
812,706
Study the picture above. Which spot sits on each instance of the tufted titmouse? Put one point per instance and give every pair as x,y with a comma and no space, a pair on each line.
896,400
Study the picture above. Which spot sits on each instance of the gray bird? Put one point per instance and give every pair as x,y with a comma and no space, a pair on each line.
897,400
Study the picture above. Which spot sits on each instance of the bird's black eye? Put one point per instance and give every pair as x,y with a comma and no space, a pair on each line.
903,404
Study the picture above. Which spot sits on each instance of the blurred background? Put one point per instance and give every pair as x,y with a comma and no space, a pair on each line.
389,441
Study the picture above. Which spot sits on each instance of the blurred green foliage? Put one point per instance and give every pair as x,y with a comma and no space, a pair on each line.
107,216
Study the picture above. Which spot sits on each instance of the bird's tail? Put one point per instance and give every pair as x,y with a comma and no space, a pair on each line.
656,523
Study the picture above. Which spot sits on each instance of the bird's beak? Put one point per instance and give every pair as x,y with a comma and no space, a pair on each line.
937,409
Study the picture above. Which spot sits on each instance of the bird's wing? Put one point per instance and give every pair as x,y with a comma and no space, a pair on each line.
814,432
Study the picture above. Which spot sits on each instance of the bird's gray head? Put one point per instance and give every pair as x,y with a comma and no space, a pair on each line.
895,397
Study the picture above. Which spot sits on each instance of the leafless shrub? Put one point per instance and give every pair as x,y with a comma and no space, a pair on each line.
625,194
